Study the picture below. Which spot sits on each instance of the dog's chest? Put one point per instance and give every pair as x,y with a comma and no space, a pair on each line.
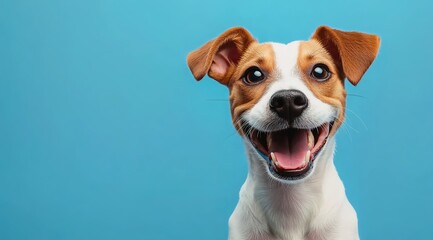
282,214
290,214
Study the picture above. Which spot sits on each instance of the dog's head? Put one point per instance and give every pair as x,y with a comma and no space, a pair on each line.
286,99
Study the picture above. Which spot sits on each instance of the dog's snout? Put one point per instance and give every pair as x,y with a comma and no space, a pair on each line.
288,104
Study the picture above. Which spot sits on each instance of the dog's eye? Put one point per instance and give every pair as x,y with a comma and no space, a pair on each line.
320,72
253,76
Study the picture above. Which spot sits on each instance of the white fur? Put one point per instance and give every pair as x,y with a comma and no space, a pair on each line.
313,208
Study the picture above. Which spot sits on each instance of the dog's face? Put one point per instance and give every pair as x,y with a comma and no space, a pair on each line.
286,99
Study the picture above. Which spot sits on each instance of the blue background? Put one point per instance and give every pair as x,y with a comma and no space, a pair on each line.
104,133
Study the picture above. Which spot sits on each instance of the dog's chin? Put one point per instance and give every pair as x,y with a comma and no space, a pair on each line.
289,153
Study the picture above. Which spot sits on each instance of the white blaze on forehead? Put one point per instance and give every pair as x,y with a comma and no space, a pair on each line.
288,77
286,58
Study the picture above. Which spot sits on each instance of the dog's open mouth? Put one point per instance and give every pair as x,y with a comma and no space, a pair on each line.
289,152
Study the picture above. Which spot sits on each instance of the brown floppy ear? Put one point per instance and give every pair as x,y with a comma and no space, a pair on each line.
219,57
353,52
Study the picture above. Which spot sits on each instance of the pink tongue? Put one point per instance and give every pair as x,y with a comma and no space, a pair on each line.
289,148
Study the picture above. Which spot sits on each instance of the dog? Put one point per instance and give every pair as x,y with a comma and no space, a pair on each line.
287,102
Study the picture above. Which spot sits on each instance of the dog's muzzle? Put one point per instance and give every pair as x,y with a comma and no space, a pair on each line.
289,152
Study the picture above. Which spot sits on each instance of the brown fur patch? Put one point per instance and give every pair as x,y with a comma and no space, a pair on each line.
242,96
352,51
347,54
330,91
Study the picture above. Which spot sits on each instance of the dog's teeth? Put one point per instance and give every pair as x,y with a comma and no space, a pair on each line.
310,139
307,157
274,159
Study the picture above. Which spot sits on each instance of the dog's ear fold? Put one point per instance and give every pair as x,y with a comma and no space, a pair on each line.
353,52
219,57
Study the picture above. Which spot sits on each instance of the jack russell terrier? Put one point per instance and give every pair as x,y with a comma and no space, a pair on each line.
287,102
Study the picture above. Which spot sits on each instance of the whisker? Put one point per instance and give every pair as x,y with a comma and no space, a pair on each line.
356,95
360,119
344,126
217,100
350,126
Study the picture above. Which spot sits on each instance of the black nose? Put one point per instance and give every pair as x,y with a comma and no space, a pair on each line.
288,104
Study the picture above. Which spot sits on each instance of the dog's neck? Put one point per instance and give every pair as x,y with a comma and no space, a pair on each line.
294,205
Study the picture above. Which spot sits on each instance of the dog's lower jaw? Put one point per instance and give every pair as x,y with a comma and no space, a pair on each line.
313,208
